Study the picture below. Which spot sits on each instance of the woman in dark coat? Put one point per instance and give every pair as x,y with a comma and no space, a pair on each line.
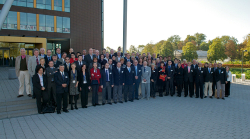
39,81
161,78
153,79
84,83
179,79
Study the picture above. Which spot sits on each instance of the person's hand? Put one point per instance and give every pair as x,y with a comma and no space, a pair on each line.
101,86
226,82
89,87
112,85
133,83
76,85
55,71
168,77
80,89
152,80
136,77
123,84
43,88
144,80
93,75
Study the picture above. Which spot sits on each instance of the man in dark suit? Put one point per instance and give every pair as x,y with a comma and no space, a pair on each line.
119,50
106,83
50,72
170,79
79,64
188,79
118,74
128,59
71,50
62,83
195,66
58,53
129,81
208,80
55,61
138,73
199,80
221,79
89,57
214,86
170,59
67,65
48,57
42,50
165,61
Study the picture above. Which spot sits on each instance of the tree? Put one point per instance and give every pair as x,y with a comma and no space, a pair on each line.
167,49
189,39
189,51
204,46
231,50
140,48
216,51
180,45
108,49
225,39
199,38
148,48
174,40
132,49
157,47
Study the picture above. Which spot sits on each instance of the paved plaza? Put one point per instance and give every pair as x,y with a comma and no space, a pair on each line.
160,118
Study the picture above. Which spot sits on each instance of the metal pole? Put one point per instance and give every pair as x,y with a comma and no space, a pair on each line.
125,25
102,18
5,11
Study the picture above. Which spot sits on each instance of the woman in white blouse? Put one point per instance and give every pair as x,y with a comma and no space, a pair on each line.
228,82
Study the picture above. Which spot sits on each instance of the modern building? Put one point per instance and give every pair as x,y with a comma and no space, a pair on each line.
50,24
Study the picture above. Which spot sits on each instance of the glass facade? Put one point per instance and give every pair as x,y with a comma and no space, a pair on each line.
58,5
23,21
49,23
27,21
30,3
2,1
67,5
10,21
59,23
43,4
42,24
66,25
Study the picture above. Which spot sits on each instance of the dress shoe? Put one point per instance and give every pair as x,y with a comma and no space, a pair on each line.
72,108
201,97
115,102
65,111
166,95
76,107
125,100
120,102
137,98
196,97
226,96
94,105
218,98
205,97
97,104
131,100
171,95
185,96
103,103
40,112
110,103
29,95
20,96
191,96
161,96
210,97
223,98
179,95
58,112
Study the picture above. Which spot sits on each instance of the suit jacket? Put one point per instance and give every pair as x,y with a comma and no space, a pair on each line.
199,75
196,66
17,64
188,76
43,56
104,77
126,60
36,83
95,75
45,66
47,59
102,62
66,69
57,64
221,76
146,75
209,76
88,60
129,77
50,73
61,60
116,54
139,72
118,77
154,74
179,75
117,60
78,67
59,81
214,75
110,56
171,72
32,65
81,79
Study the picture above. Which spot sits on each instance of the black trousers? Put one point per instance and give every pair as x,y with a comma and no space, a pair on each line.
84,95
170,87
179,88
128,90
59,97
152,89
41,100
214,86
227,88
52,92
189,86
95,94
199,89
75,99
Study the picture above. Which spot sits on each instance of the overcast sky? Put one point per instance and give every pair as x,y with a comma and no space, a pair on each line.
155,20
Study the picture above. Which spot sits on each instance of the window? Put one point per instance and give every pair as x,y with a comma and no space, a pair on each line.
23,21
2,1
49,23
42,24
30,3
43,4
58,5
59,24
10,21
31,20
67,5
66,25
20,3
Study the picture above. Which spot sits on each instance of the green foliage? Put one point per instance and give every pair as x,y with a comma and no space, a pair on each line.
174,40
140,48
231,50
225,39
190,38
189,52
204,46
199,38
108,49
237,71
167,49
132,49
216,51
237,62
157,47
148,48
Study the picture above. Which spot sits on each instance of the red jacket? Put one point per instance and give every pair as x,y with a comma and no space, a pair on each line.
97,75
184,65
72,60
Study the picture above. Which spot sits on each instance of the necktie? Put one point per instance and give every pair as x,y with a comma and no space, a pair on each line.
49,58
129,70
107,75
209,70
168,68
119,70
219,71
188,69
68,66
136,70
144,69
37,61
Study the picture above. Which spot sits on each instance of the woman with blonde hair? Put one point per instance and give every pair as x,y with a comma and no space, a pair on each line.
228,82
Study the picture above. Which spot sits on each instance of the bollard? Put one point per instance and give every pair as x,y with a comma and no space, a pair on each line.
243,77
234,78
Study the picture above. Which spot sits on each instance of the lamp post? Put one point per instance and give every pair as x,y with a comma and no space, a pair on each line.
242,60
125,3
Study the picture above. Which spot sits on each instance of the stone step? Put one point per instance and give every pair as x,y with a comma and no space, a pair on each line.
18,113
16,101
8,108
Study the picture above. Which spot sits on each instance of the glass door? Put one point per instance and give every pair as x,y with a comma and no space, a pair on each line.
5,57
29,52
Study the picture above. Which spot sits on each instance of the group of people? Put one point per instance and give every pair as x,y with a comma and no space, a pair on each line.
120,77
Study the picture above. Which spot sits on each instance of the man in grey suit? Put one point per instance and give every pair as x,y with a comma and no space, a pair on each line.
50,71
22,73
33,62
145,77
62,60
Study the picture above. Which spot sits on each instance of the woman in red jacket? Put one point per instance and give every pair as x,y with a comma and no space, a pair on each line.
73,58
95,76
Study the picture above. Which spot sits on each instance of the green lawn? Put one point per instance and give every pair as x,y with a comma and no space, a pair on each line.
237,71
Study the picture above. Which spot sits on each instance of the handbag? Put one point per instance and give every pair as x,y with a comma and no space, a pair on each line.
163,77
